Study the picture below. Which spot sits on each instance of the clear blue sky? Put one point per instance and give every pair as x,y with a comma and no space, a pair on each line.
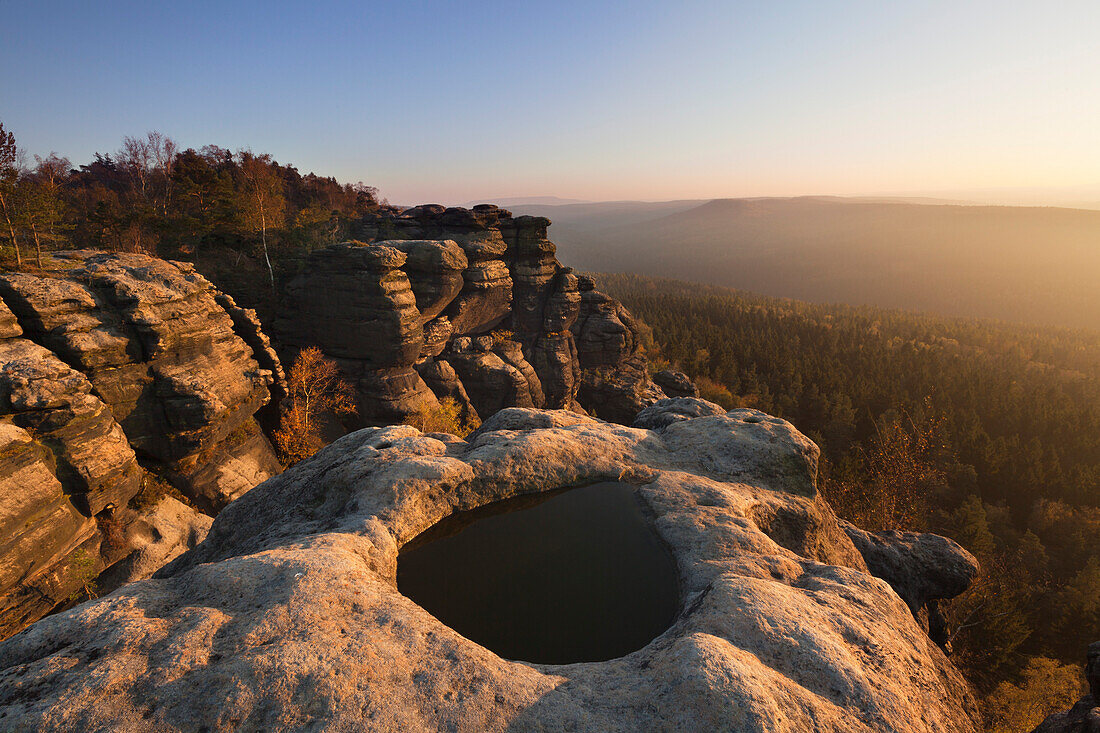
448,101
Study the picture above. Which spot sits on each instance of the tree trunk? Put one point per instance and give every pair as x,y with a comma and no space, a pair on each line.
37,244
11,231
263,236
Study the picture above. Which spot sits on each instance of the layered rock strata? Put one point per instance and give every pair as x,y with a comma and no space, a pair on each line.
288,614
112,365
409,307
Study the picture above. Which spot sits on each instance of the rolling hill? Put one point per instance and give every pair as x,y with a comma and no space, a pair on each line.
1028,264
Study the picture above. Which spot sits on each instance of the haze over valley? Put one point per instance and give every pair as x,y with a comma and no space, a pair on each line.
1029,264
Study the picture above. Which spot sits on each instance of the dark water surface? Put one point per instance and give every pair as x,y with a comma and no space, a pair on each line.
577,575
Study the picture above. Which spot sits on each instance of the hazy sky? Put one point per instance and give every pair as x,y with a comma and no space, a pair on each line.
448,101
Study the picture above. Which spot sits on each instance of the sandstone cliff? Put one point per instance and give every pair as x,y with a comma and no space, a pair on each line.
466,304
113,366
288,615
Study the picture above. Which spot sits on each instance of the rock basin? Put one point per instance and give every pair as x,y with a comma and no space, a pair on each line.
575,575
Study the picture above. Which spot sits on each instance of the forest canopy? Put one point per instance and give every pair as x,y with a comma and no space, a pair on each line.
983,431
230,211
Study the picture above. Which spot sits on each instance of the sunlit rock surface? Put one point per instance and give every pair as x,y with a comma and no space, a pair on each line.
428,283
113,365
288,617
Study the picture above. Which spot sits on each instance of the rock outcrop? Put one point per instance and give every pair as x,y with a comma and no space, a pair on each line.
922,568
288,614
112,365
439,302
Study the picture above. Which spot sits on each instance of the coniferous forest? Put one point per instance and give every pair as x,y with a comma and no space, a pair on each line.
983,431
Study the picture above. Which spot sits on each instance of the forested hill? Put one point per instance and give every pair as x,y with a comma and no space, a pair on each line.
986,431
1031,264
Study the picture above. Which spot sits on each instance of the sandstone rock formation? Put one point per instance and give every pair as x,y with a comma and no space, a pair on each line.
288,615
408,317
112,365
922,568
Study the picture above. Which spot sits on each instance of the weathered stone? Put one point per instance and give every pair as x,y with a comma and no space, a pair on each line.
921,567
101,355
618,392
353,302
675,384
514,282
288,614
246,324
159,535
443,381
435,270
491,383
40,531
154,343
511,353
437,333
667,411
94,462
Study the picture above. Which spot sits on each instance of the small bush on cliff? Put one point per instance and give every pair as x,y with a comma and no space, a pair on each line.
446,417
315,390
82,569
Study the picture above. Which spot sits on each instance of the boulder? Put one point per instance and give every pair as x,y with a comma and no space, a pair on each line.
486,297
675,384
159,535
669,410
288,614
435,270
618,392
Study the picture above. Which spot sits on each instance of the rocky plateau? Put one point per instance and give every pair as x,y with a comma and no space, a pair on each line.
287,616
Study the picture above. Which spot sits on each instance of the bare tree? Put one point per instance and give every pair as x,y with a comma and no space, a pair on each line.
136,158
163,150
264,203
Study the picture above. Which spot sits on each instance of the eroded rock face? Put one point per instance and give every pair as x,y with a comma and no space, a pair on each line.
922,568
288,616
432,278
107,360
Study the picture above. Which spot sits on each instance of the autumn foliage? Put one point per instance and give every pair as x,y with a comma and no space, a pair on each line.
316,391
445,417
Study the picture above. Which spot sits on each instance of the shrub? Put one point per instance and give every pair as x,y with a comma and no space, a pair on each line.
444,417
315,388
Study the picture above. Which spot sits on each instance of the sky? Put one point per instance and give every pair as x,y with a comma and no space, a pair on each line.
452,102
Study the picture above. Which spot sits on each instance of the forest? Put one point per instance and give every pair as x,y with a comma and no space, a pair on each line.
240,216
984,431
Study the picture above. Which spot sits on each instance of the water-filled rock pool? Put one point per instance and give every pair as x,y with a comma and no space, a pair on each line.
576,575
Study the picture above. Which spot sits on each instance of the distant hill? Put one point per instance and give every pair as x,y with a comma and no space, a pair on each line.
1029,264
524,201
